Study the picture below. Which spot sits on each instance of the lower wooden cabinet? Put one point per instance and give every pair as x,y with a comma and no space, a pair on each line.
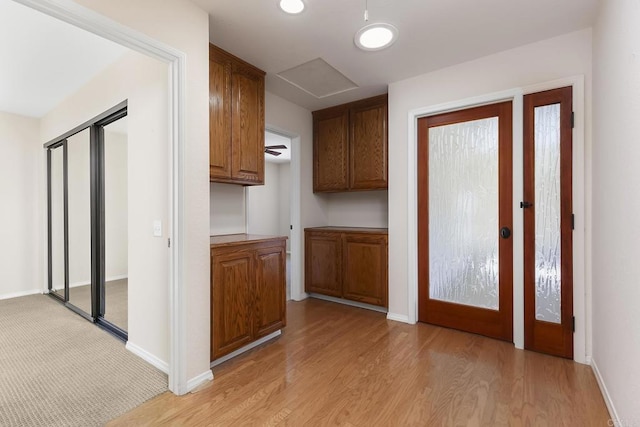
248,290
348,263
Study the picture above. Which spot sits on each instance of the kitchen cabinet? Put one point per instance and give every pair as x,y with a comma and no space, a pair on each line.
349,263
236,120
350,147
248,290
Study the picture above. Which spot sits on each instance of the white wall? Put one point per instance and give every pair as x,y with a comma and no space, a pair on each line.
263,203
185,27
544,61
143,82
20,271
358,209
616,206
227,209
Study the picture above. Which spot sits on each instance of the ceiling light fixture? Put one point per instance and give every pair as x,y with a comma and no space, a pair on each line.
292,7
375,36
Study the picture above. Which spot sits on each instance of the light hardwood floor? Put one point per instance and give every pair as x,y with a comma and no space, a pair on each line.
338,365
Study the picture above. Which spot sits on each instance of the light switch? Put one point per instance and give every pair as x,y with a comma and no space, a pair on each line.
157,228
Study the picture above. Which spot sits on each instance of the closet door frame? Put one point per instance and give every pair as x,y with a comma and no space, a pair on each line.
97,213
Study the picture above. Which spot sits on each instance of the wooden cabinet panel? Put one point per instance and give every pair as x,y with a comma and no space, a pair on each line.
350,146
248,290
368,144
236,115
247,125
323,263
348,263
232,313
365,269
219,117
270,291
330,150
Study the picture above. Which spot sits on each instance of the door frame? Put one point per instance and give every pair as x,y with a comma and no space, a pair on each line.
581,275
109,29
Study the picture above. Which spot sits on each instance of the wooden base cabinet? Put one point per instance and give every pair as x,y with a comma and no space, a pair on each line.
248,290
349,263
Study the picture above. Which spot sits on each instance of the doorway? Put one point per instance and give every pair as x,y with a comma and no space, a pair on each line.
88,220
454,166
269,206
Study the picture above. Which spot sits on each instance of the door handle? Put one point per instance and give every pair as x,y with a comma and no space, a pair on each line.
505,233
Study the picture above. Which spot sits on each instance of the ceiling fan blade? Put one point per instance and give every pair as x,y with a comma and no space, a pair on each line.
276,147
273,153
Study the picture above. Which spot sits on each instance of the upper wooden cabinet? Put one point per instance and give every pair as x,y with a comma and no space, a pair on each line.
236,120
350,146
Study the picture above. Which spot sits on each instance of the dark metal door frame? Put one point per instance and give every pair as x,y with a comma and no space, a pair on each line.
96,154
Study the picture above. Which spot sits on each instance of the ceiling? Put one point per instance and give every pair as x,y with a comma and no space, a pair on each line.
45,60
432,34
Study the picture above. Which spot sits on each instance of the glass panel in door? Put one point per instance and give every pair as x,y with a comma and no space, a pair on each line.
79,212
114,306
463,213
547,212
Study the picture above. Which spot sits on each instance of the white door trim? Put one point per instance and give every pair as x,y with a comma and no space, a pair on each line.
580,290
79,16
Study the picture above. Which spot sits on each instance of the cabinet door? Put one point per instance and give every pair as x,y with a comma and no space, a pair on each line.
365,268
323,263
247,87
270,290
330,150
219,115
232,276
368,145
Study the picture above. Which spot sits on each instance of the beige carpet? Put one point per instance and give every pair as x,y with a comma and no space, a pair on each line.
116,304
57,369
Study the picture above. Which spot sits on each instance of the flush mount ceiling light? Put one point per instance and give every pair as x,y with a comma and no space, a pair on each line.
376,36
292,7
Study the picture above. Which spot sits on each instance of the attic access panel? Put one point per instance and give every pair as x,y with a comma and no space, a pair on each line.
318,78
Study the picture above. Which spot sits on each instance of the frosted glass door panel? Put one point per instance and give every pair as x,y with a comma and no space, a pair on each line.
463,213
547,212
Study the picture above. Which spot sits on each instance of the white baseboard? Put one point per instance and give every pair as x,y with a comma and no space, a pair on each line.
246,348
20,294
148,357
351,303
111,279
398,318
108,279
198,380
605,394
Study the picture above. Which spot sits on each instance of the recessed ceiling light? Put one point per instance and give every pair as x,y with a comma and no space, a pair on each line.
292,7
376,36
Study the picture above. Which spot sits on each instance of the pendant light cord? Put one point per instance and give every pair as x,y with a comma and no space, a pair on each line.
366,10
